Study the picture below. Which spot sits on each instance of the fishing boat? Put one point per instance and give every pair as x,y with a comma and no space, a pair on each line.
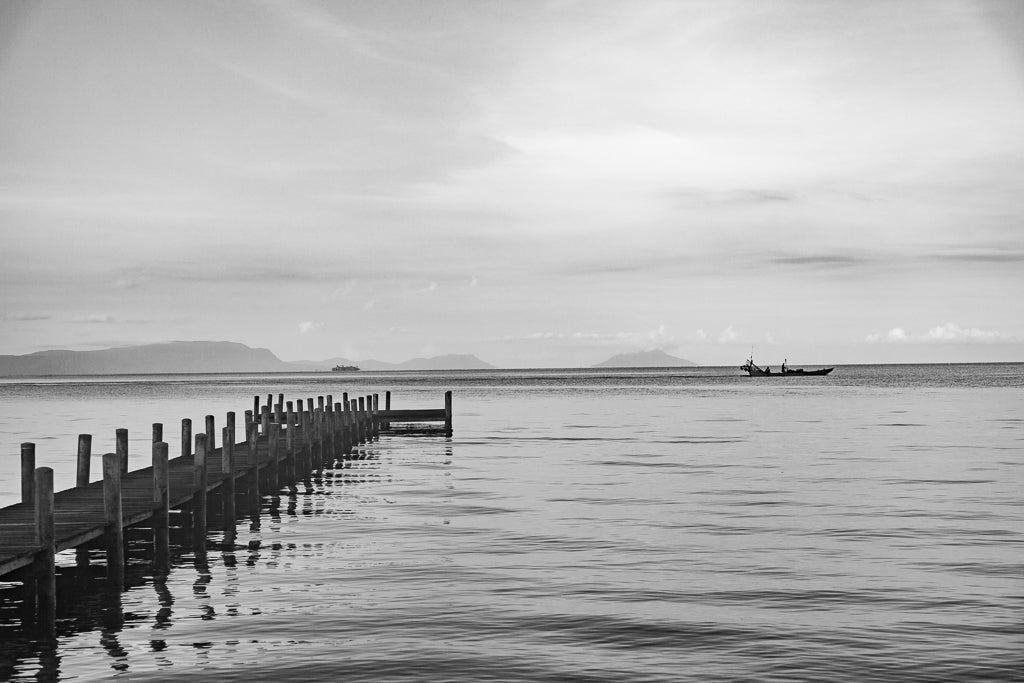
344,368
753,370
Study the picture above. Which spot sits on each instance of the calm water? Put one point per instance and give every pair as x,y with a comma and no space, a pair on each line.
580,525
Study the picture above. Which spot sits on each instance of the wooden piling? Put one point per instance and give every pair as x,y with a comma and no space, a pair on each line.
265,421
28,473
448,413
161,508
186,437
84,460
228,465
44,567
112,516
387,407
289,451
211,434
229,422
158,432
200,483
122,449
255,406
253,482
274,469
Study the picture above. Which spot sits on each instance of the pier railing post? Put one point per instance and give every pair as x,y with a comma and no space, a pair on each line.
44,567
161,508
447,413
200,483
122,449
158,432
229,422
84,460
112,517
28,473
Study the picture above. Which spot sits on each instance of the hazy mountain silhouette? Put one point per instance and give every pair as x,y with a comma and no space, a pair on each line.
200,356
645,359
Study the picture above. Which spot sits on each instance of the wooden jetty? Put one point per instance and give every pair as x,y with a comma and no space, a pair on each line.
284,443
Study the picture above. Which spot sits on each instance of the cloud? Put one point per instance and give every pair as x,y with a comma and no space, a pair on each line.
95,318
309,326
950,332
22,316
728,336
661,337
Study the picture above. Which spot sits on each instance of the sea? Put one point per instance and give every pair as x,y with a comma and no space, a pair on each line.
686,524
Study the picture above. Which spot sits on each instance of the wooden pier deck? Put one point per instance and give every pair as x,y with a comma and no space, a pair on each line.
284,446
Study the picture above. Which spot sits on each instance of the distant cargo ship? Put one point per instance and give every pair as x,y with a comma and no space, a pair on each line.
344,368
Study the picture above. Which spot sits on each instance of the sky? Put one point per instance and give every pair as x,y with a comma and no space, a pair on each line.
541,183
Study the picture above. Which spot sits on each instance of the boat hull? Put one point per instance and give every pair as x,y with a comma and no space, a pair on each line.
790,373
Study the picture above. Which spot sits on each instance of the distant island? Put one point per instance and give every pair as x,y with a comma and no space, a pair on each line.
646,359
202,357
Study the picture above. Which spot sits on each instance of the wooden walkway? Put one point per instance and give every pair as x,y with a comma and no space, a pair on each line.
283,447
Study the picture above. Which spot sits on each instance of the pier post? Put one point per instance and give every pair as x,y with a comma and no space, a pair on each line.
327,434
361,418
448,413
344,427
254,474
211,435
320,422
161,509
274,470
248,422
84,460
228,465
158,432
122,449
255,406
229,422
44,567
112,517
289,451
376,415
387,406
320,402
200,483
265,421
303,436
28,473
186,437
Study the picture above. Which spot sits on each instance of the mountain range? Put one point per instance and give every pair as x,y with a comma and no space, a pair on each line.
207,356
